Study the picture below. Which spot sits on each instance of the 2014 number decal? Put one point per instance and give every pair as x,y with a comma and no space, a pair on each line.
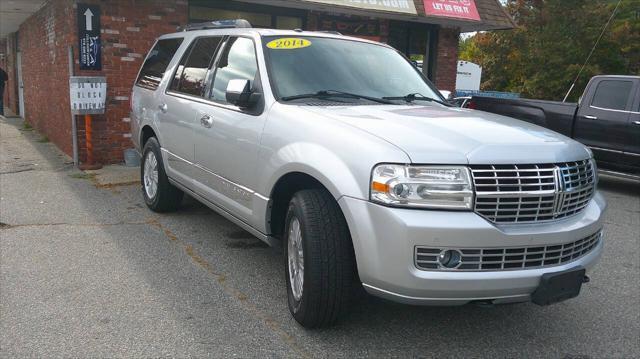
288,43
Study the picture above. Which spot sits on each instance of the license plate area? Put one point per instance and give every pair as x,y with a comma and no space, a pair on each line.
559,286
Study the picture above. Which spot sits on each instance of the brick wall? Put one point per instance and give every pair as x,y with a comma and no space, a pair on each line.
129,28
447,59
42,41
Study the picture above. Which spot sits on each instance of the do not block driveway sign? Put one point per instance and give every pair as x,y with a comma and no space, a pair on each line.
87,94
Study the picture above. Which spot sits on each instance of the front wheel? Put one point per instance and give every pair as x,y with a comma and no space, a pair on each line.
159,194
319,259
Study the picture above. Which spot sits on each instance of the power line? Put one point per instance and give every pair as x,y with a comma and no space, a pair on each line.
592,50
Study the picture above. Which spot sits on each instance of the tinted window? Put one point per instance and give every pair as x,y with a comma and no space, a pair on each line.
238,62
191,73
612,94
156,63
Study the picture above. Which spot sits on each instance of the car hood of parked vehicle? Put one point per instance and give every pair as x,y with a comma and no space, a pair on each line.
442,135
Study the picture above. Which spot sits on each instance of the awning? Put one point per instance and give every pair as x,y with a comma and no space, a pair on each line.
492,14
14,12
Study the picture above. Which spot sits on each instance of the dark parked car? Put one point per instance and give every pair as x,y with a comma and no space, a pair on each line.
607,119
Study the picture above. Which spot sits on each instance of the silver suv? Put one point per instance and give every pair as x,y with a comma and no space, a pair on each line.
341,150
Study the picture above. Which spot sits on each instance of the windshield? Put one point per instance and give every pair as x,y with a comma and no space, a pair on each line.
307,65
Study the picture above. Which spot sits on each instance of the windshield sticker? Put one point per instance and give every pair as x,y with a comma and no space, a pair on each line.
288,43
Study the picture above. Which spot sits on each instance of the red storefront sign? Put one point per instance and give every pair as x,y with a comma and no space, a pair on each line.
462,9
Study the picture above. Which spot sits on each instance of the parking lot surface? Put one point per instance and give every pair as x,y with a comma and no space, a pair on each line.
88,270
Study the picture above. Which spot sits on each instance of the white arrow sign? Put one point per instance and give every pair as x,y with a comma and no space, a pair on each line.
88,15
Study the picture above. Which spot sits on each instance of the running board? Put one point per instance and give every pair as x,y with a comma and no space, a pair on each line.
270,240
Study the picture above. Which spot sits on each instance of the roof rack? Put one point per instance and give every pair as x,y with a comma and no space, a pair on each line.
330,32
218,24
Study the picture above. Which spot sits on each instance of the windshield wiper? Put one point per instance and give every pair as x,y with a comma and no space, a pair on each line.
324,94
416,96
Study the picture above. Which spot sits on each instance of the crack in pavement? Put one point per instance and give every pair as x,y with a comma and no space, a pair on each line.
232,291
11,226
17,171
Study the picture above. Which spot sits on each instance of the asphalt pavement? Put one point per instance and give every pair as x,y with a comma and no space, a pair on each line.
88,271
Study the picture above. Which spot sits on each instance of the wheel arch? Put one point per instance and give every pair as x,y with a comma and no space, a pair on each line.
145,134
282,192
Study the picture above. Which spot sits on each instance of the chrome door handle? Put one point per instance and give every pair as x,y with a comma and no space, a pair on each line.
589,117
206,121
163,107
636,122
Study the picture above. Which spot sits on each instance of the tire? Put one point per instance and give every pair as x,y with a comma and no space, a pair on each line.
166,197
328,265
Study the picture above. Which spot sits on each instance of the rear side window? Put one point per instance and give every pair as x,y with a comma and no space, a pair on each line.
156,63
612,94
237,62
192,71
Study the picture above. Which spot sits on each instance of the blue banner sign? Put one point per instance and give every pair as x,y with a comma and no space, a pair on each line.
89,46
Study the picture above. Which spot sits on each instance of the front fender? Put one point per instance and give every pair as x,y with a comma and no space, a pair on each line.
316,161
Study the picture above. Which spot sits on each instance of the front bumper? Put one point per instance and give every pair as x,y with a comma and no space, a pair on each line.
384,240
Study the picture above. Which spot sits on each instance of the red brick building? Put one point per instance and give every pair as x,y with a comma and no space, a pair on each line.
35,54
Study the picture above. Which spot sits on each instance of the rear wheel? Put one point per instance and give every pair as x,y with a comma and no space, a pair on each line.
159,194
319,259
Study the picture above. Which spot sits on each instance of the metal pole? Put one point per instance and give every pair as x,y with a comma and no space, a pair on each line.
74,129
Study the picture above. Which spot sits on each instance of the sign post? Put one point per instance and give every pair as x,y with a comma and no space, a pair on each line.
89,44
87,95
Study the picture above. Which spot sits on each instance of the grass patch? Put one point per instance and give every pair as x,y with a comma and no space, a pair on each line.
26,126
44,139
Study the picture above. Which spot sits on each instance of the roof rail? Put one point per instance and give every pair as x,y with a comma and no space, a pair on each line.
217,24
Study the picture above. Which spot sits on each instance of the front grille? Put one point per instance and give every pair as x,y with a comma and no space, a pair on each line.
532,193
513,258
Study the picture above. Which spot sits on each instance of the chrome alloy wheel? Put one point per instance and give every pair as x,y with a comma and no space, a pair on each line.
150,177
295,258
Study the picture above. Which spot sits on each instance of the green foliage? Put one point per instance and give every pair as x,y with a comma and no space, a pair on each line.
541,57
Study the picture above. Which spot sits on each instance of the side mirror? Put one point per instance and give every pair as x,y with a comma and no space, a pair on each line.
239,93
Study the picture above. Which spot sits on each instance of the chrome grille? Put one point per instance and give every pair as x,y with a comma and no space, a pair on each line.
532,193
495,259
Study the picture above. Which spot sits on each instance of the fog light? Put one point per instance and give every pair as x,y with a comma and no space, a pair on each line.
450,258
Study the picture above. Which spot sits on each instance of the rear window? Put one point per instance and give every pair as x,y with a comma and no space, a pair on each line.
156,63
612,94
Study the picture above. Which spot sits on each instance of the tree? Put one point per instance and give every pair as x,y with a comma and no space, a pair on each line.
541,57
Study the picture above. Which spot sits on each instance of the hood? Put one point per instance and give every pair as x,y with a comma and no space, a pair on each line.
441,135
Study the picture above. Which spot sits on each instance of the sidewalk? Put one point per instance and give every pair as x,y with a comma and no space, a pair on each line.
42,154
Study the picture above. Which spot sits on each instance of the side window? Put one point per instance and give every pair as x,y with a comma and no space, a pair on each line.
156,63
237,62
192,71
612,94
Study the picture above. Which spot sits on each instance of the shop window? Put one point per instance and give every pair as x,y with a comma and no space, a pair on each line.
201,14
288,22
156,63
192,71
237,62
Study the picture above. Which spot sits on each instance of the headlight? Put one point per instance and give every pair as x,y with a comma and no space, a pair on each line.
443,187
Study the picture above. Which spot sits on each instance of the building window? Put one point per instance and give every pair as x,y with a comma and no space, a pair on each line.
262,16
201,14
